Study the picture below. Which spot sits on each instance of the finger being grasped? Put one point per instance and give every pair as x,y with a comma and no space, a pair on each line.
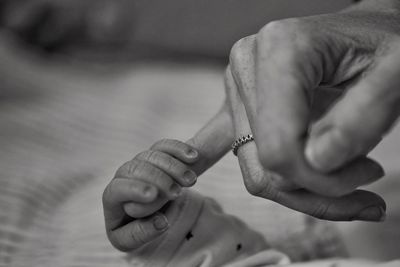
249,163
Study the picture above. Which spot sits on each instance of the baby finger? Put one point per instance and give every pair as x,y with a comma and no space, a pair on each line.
170,165
121,190
140,210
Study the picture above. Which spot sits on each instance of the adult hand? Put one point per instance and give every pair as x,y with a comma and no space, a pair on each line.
270,185
231,122
281,74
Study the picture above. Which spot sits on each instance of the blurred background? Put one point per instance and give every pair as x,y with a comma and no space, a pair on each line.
86,85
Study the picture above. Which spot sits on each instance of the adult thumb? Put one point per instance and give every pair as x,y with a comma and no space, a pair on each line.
358,122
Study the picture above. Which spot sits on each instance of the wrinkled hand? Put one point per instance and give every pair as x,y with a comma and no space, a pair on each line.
281,86
270,185
57,24
288,76
231,122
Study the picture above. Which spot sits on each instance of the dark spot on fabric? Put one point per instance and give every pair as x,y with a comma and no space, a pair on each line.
238,247
189,235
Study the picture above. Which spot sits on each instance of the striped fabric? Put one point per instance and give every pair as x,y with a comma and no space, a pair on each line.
63,133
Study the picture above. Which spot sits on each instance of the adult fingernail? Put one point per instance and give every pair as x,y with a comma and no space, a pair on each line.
329,150
160,222
175,190
190,177
192,153
374,214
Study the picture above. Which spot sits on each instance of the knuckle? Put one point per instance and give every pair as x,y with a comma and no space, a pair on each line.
182,146
293,32
256,173
148,155
321,211
240,51
264,190
173,166
251,187
121,171
139,234
160,159
160,143
236,50
168,164
285,28
108,193
253,184
163,143
128,169
271,193
282,184
121,246
120,243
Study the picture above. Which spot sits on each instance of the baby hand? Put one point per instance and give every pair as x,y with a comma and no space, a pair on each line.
141,187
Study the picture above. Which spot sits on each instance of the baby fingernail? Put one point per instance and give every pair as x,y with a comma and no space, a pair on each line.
192,153
374,214
190,177
175,190
160,222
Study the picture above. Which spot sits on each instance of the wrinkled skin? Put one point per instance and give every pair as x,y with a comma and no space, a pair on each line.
335,74
313,152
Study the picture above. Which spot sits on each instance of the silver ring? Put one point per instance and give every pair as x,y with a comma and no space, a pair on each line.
240,142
